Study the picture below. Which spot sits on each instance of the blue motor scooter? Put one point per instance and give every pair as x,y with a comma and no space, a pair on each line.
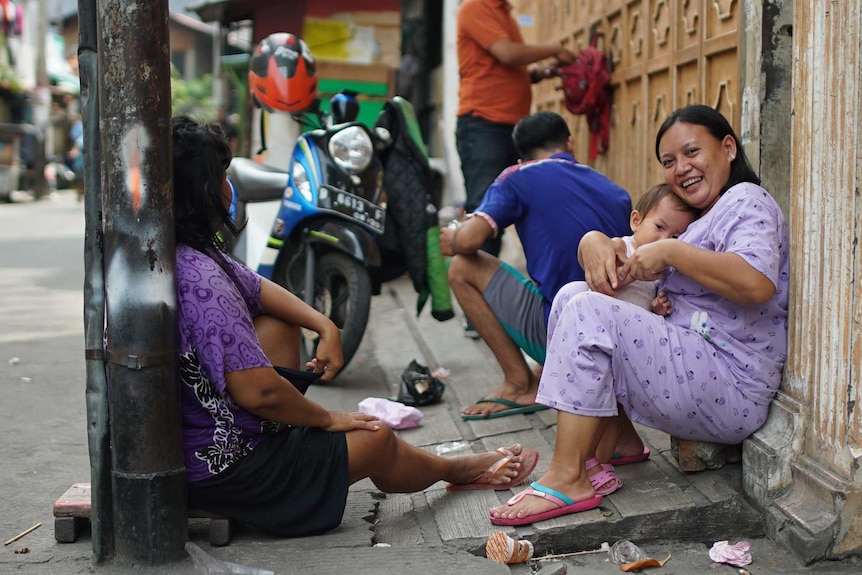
322,242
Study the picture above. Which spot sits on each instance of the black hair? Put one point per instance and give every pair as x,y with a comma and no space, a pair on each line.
719,127
540,131
650,199
201,155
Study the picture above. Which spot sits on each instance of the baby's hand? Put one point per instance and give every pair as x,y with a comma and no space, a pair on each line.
661,305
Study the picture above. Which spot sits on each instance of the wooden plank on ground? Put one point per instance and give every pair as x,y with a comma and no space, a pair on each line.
647,490
393,346
397,521
462,515
436,426
713,486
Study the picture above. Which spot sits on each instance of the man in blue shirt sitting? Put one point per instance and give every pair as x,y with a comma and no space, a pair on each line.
552,201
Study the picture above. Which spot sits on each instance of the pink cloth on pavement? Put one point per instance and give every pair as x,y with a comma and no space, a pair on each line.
736,555
395,415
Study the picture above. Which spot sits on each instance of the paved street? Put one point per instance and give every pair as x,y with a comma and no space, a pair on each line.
44,447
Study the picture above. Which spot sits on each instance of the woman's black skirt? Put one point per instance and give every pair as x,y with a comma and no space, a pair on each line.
293,483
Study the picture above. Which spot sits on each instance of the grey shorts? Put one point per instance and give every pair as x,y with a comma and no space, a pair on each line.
520,309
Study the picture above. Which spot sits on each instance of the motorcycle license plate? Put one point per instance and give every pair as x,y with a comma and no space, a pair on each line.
359,209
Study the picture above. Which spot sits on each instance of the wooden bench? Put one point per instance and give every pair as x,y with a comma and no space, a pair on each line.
693,455
72,512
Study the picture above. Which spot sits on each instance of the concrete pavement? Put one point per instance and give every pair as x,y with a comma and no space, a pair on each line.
44,447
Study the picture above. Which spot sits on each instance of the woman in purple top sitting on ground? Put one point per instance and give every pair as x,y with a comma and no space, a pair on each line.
255,448
706,372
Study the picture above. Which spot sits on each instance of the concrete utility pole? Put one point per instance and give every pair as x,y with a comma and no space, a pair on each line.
147,473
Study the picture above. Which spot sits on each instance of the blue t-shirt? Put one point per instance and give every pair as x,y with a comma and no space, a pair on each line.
552,203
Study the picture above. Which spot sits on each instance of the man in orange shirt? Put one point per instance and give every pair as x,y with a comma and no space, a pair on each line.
494,94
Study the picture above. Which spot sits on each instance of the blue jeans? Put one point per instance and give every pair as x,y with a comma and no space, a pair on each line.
486,149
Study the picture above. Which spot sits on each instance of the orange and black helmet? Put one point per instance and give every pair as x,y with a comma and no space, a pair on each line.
281,74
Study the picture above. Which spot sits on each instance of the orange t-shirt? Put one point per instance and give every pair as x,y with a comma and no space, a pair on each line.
490,89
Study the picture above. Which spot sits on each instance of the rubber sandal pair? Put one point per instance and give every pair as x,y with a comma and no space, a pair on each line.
512,408
564,505
605,481
529,458
620,460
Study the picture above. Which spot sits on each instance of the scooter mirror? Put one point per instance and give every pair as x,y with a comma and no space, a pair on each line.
344,106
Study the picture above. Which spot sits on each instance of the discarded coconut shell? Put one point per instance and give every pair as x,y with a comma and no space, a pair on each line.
503,549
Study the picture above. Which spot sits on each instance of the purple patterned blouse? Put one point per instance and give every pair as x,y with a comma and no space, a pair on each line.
216,336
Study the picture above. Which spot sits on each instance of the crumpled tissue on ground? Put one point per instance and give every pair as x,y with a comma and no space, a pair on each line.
395,415
736,555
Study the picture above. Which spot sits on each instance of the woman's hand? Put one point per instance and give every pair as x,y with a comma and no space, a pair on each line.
343,421
329,358
600,257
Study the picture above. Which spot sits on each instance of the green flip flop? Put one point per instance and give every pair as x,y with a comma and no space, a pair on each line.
513,409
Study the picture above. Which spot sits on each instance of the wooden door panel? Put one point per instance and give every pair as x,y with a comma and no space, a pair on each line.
664,54
722,85
690,22
722,17
637,28
688,90
631,141
660,28
661,104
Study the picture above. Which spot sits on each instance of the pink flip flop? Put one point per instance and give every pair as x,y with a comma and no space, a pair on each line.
619,460
605,481
563,503
529,458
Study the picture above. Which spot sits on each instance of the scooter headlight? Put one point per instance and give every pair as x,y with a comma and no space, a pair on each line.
300,179
351,149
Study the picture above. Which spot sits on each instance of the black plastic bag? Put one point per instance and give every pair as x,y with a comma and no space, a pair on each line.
418,387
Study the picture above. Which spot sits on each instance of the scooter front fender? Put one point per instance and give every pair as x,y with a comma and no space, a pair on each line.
352,240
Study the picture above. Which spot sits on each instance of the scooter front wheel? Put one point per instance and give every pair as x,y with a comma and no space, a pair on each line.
342,292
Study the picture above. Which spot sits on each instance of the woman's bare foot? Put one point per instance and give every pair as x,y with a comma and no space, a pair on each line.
578,489
494,467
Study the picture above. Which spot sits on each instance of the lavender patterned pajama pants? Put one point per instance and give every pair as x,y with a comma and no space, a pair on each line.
603,352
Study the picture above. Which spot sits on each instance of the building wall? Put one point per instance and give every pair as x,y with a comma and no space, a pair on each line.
806,461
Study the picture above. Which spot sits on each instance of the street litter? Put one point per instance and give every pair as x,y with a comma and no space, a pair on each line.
449,447
440,372
395,415
209,565
603,549
22,551
736,555
503,549
419,387
26,380
643,564
22,534
14,361
630,557
624,551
